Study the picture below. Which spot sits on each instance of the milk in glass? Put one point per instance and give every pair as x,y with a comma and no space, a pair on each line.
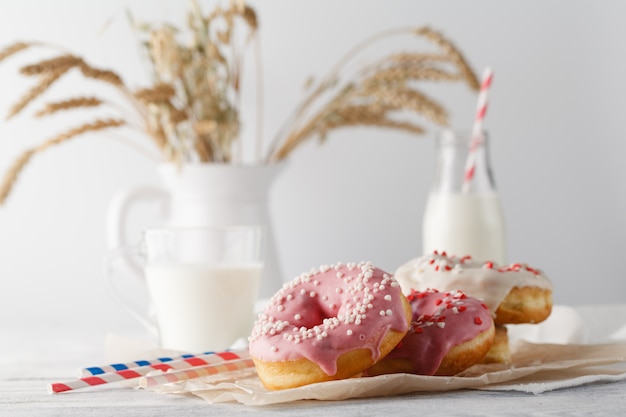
202,306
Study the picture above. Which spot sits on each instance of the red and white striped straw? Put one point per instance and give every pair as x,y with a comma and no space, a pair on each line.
187,361
476,140
198,372
166,363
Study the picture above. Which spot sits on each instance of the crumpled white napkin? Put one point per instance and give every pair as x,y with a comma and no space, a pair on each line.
563,326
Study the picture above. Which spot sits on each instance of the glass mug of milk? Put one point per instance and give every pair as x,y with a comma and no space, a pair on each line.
463,217
202,284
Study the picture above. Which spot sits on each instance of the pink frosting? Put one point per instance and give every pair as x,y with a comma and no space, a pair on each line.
441,321
322,314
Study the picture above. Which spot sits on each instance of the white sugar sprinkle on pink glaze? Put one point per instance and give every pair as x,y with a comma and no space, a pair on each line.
324,329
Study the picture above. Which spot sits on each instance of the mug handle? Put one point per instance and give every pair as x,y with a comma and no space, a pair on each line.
119,209
112,274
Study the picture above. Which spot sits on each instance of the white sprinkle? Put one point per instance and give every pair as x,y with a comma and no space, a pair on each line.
280,307
274,349
297,317
382,313
349,332
389,312
302,291
338,290
387,297
289,297
312,294
441,324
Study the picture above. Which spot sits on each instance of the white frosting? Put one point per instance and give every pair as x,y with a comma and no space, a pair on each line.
487,280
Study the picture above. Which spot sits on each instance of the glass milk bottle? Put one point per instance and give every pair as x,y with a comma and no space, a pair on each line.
463,220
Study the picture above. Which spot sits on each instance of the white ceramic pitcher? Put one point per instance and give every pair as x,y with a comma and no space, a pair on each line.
200,195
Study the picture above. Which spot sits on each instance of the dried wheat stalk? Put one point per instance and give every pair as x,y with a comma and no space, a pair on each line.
17,167
376,92
454,54
103,75
46,80
13,49
160,93
190,111
63,62
72,103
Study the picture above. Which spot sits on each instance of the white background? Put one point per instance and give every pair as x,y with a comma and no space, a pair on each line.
556,122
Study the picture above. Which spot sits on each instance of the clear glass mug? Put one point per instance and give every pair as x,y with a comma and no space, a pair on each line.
202,284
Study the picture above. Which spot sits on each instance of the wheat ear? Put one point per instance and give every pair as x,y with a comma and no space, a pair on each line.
72,103
51,65
106,76
46,81
453,53
16,168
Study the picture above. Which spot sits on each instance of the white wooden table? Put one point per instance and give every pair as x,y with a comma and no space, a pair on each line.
28,397
25,374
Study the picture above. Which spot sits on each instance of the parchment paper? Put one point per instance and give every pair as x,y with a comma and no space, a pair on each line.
535,368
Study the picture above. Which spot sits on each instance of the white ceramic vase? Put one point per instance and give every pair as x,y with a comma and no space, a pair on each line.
201,195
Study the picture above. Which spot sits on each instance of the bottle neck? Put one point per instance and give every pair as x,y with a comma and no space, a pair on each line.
454,159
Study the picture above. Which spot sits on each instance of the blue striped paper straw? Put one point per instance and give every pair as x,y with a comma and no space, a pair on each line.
191,359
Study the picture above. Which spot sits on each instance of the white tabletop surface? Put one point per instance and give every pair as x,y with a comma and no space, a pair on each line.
26,371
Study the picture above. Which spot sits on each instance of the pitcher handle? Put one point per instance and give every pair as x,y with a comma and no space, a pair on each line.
113,277
119,209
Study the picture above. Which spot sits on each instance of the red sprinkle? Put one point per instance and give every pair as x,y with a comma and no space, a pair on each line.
438,301
477,320
532,270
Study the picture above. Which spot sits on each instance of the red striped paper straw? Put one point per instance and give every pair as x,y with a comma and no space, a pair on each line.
166,363
476,140
187,361
198,372
92,381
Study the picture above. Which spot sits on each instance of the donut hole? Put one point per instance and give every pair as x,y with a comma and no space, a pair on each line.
314,314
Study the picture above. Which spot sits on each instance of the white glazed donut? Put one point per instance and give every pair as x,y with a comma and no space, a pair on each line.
515,293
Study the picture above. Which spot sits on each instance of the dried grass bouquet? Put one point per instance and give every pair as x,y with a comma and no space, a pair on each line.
191,110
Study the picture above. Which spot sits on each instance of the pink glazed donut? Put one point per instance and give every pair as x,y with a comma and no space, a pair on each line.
449,333
332,323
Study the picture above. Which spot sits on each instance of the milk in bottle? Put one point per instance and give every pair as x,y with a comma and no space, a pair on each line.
463,221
